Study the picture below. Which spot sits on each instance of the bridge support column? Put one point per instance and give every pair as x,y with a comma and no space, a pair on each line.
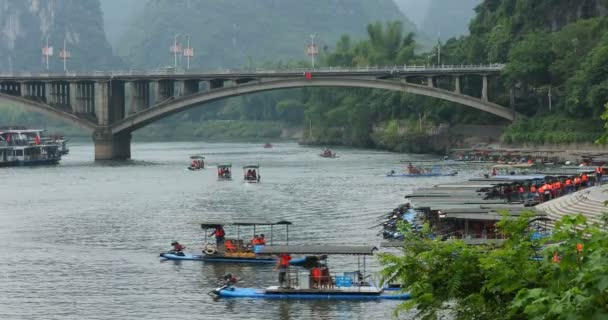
429,82
75,99
138,92
111,147
484,88
48,92
116,108
101,103
216,84
163,90
457,84
188,87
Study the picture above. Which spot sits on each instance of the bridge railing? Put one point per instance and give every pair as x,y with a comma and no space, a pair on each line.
495,67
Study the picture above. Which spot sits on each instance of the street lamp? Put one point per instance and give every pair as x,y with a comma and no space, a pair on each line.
312,49
175,49
64,55
188,51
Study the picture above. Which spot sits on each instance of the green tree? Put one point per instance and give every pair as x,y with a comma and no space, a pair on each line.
564,276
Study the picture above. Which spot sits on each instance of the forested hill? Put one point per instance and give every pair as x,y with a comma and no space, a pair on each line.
26,24
448,18
236,33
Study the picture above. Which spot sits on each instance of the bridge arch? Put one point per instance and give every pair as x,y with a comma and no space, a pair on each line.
172,106
41,107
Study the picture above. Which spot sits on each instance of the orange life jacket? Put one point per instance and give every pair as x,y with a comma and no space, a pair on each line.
568,182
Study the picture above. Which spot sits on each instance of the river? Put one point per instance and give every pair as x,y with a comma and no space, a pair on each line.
81,240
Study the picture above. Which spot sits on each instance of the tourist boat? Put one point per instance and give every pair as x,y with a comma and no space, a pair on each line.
224,171
423,174
24,147
318,283
268,145
235,249
328,154
60,140
198,163
251,173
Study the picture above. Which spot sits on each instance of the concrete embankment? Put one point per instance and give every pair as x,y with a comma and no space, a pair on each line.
589,202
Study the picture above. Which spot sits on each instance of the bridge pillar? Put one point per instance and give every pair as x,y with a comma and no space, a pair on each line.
457,84
138,92
429,81
111,147
48,92
484,88
75,99
100,95
116,107
188,87
163,90
216,84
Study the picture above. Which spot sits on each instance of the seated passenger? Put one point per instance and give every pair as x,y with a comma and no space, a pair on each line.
262,240
177,249
255,241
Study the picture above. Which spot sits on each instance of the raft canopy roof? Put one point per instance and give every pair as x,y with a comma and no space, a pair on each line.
197,156
252,166
214,224
224,165
319,250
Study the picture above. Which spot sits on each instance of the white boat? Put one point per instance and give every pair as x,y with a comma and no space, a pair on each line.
26,147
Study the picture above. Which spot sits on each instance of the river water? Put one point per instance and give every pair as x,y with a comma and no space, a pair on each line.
81,240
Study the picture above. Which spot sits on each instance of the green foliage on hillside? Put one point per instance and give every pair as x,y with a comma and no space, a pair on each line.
522,279
555,129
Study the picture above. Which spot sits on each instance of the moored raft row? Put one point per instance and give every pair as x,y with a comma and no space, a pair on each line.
470,209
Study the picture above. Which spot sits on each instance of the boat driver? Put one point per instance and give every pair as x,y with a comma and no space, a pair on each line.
178,249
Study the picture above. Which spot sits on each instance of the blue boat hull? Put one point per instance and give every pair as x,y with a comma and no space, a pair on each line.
261,294
198,257
408,175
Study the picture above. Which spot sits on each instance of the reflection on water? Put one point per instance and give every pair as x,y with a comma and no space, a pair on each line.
81,239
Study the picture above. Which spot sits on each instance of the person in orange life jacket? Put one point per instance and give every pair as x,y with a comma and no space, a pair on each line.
584,180
577,183
599,172
568,185
178,249
541,193
283,266
255,241
262,240
548,191
219,234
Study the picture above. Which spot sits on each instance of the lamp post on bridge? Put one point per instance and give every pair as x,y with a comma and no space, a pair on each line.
175,49
188,51
312,50
47,52
64,55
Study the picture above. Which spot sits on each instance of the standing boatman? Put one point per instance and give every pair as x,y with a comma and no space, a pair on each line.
283,267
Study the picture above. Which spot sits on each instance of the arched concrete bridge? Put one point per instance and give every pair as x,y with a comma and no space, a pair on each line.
113,105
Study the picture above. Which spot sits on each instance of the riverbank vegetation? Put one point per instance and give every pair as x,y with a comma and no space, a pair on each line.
564,276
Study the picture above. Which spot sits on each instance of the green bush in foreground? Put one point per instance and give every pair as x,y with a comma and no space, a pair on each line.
568,280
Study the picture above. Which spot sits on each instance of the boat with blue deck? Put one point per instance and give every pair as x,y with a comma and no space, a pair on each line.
318,283
235,249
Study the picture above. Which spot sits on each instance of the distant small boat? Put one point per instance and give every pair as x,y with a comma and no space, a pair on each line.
268,145
415,175
198,163
224,171
328,154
